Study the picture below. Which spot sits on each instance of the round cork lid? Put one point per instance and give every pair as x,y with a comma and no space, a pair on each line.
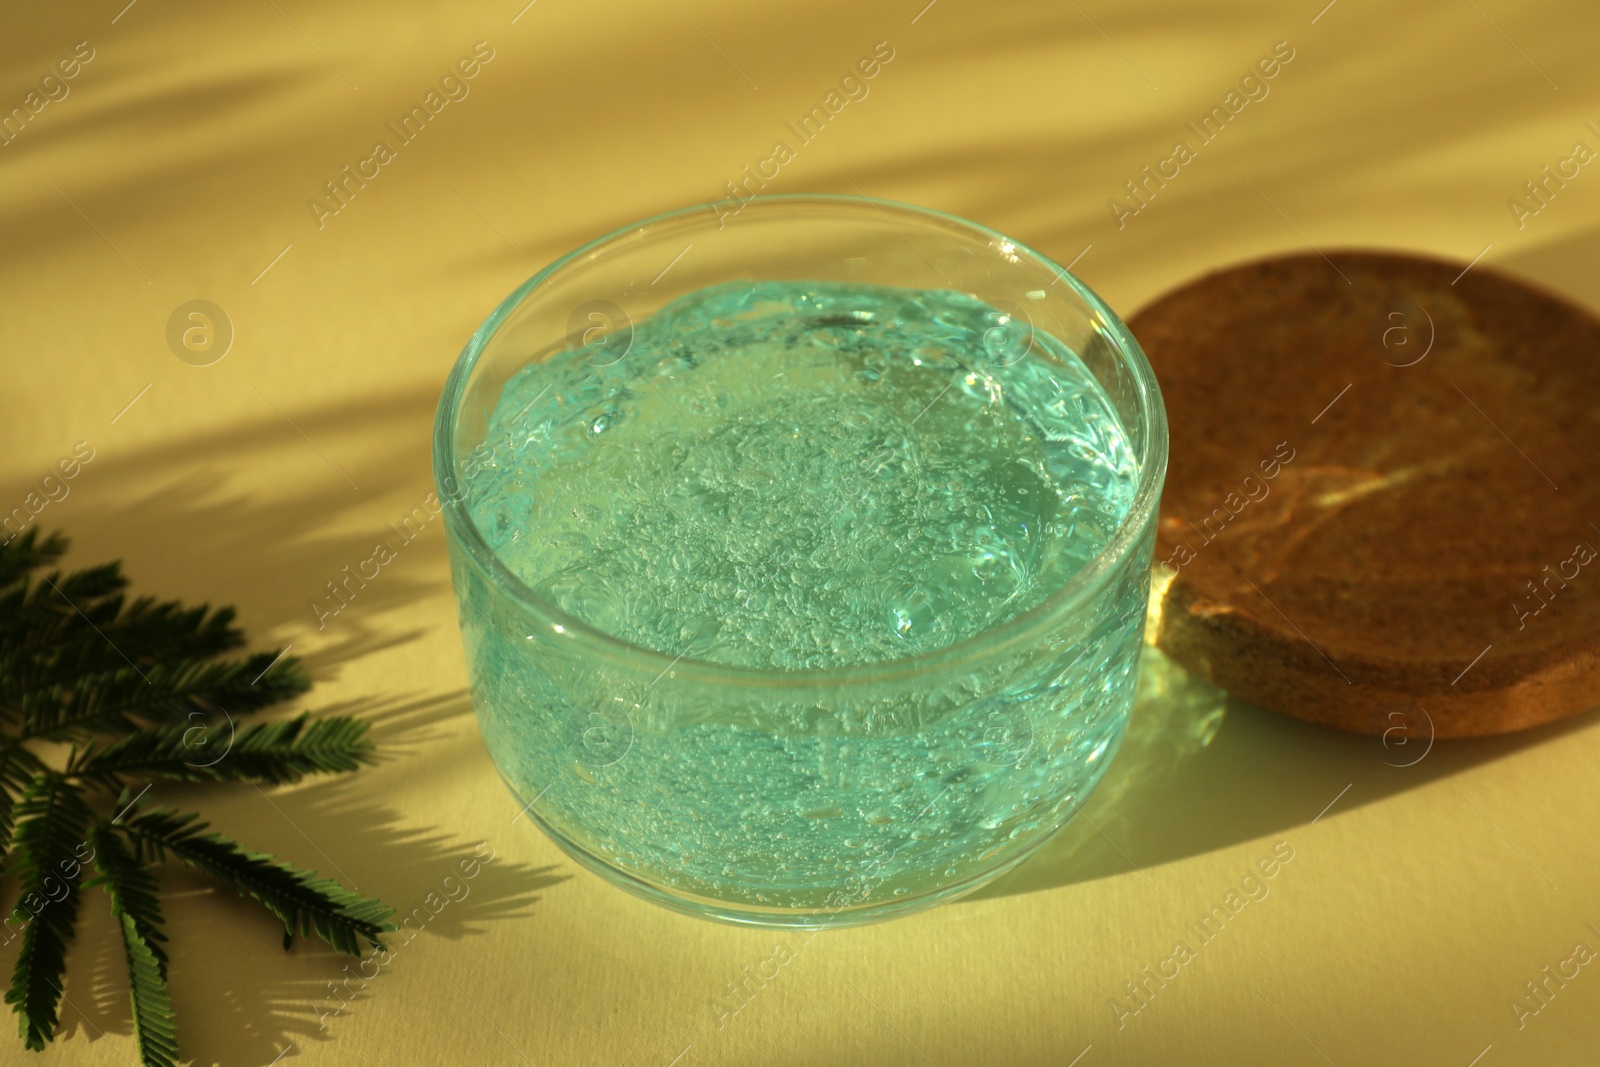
1382,510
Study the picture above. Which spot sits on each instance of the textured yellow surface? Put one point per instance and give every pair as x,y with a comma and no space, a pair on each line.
178,166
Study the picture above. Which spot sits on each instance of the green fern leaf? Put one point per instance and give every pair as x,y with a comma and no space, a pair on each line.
134,902
305,903
22,554
49,843
144,634
37,615
271,753
17,769
181,691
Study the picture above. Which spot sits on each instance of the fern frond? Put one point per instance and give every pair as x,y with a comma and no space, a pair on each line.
271,753
134,902
305,903
37,614
51,822
144,634
18,767
180,691
137,686
27,552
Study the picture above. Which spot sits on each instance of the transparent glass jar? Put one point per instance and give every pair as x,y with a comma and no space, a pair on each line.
922,777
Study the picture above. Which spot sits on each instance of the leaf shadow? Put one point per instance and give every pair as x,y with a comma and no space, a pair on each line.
187,522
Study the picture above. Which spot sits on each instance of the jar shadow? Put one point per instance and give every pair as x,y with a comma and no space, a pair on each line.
1200,771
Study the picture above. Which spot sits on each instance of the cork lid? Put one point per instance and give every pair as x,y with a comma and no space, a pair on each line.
1382,509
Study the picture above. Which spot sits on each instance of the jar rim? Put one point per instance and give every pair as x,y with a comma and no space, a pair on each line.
985,645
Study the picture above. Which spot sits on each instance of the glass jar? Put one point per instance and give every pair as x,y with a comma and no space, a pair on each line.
812,797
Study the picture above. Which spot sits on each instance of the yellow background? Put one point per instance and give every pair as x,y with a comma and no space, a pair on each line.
179,167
